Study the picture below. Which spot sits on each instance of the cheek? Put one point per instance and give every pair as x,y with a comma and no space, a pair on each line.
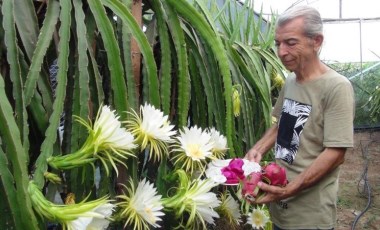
297,51
301,52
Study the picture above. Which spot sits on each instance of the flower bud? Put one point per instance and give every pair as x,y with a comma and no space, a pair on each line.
70,198
236,102
53,178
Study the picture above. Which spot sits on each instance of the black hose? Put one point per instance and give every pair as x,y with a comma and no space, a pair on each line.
367,186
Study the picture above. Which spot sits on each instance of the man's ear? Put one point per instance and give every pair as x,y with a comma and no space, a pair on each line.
318,41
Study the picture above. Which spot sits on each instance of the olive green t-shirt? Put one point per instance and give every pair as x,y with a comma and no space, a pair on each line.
311,116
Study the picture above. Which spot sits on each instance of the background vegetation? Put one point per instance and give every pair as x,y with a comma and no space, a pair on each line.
365,79
62,58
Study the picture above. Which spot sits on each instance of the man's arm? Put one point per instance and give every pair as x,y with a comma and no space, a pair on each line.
263,145
326,162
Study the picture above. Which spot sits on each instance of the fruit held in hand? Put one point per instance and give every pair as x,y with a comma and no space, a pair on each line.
250,190
274,174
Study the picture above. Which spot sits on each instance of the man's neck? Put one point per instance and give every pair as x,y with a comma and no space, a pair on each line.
312,71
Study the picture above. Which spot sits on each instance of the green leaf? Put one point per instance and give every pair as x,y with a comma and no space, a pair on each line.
97,94
16,154
198,101
166,65
10,41
83,75
7,183
27,25
51,132
113,56
202,27
133,86
151,69
183,80
44,39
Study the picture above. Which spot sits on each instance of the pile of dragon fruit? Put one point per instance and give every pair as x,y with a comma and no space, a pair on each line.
241,171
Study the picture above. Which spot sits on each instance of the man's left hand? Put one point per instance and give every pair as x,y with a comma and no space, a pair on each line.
272,193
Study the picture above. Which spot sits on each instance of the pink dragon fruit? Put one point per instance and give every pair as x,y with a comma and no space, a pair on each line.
250,190
274,174
234,171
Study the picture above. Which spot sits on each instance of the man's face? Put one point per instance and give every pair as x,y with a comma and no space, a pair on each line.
294,48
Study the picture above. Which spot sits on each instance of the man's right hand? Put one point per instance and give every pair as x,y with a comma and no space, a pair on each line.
253,155
263,145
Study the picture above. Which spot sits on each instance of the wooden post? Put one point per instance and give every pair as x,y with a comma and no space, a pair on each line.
136,9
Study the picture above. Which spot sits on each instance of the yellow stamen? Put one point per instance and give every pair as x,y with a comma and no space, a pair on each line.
194,151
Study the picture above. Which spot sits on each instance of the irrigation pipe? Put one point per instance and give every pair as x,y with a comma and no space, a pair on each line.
367,186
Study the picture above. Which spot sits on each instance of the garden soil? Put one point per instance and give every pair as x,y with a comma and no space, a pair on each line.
362,164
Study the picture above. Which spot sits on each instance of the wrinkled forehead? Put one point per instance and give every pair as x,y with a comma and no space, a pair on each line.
293,27
298,22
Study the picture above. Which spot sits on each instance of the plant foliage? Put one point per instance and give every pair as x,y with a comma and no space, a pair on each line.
67,58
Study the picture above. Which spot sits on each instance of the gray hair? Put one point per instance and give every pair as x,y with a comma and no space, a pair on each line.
312,19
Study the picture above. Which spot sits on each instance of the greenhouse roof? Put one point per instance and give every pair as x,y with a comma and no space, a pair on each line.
350,26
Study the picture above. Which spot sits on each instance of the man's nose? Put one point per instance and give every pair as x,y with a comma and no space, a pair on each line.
281,50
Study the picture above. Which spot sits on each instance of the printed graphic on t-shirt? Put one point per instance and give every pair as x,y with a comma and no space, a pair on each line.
293,118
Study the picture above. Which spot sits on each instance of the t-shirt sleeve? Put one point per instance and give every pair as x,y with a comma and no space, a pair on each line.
339,116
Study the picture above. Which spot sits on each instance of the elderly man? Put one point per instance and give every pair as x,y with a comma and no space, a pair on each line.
315,111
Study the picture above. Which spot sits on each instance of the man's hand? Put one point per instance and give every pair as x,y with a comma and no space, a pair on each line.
263,145
325,163
253,155
272,193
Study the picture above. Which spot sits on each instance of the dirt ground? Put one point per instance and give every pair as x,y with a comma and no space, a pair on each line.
353,192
